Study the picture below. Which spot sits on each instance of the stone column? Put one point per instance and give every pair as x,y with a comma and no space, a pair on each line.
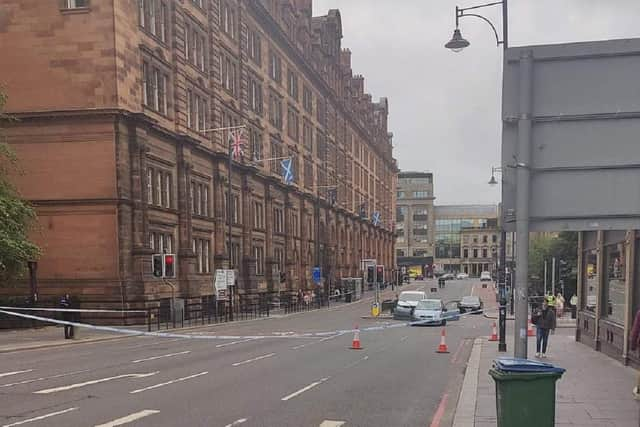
248,258
273,281
186,257
289,262
221,257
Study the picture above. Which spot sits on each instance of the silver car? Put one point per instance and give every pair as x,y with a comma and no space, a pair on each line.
407,301
430,312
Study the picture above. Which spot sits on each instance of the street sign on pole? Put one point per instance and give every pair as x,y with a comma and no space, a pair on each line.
220,283
317,275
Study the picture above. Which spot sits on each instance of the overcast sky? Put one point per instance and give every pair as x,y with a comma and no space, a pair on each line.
445,106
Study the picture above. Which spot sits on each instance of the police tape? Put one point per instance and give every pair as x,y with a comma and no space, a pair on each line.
134,332
70,310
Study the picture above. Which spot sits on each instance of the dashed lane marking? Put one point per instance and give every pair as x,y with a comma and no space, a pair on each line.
177,380
232,343
6,374
244,362
161,357
33,380
303,389
329,423
129,418
41,417
404,338
92,382
237,422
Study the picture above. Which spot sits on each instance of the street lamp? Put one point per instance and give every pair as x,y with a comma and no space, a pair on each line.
493,181
502,275
457,42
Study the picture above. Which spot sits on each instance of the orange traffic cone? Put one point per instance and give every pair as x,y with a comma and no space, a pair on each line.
355,344
442,348
530,331
494,334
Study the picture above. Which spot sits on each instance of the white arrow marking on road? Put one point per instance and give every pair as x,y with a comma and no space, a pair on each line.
6,374
129,418
98,381
329,423
303,389
161,357
33,380
41,417
237,422
244,362
232,343
177,380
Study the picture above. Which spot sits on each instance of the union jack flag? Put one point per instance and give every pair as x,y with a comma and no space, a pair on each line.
236,142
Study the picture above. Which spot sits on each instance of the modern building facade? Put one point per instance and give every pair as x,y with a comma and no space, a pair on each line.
460,234
609,291
415,220
116,102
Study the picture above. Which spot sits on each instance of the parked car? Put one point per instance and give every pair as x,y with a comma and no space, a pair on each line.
470,303
462,276
429,312
407,302
447,276
485,276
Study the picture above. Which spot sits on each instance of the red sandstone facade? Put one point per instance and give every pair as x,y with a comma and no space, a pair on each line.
113,99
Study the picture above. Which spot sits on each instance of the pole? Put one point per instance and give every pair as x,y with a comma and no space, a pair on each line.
522,205
502,277
230,229
545,276
505,25
553,276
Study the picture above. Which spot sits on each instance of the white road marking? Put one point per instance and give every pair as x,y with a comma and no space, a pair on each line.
244,362
316,342
232,343
473,288
98,381
177,380
404,338
33,380
352,364
41,417
6,374
303,389
237,422
153,343
161,357
329,423
129,418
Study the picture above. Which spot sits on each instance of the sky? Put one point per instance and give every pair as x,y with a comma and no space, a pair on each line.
444,106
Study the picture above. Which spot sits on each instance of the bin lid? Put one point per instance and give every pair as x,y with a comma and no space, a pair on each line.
514,364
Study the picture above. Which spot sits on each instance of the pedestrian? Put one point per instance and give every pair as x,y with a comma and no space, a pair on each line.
574,300
635,345
559,305
545,320
65,303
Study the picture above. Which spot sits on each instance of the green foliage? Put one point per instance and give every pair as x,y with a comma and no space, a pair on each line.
563,247
16,216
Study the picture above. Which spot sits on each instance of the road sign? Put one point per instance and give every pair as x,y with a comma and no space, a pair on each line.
223,280
317,275
581,136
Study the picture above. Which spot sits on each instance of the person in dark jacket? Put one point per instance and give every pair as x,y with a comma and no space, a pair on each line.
65,302
545,320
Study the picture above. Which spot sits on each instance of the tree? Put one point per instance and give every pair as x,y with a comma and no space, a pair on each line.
563,247
16,216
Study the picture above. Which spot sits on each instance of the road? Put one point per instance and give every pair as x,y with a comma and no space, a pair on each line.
396,380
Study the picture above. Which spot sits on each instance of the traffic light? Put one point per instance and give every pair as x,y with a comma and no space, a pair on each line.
158,269
169,265
380,273
370,274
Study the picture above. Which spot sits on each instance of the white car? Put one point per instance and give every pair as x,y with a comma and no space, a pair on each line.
485,276
462,276
430,312
407,301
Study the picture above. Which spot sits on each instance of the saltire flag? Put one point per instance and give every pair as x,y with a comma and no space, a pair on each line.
236,142
287,170
375,218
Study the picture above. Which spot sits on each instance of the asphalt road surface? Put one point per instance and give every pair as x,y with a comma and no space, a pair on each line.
397,379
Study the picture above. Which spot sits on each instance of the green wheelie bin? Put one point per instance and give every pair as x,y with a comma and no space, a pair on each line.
525,392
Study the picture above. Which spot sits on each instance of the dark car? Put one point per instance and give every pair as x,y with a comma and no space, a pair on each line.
470,304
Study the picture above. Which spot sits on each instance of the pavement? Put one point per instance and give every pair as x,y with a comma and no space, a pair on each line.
397,379
594,391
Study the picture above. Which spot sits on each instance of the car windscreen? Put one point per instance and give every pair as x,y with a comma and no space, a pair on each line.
411,297
470,300
429,305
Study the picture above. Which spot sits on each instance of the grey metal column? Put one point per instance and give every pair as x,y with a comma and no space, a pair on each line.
522,205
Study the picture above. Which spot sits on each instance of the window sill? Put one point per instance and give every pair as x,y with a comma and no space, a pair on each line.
75,11
203,217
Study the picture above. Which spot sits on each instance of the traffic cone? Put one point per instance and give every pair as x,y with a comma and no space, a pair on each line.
355,344
442,348
494,334
530,331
